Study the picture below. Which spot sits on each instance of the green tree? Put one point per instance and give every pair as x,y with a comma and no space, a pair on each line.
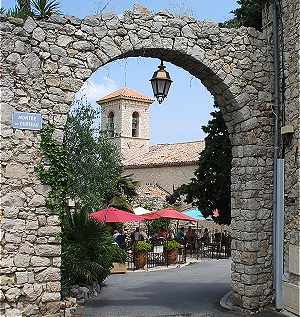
85,167
249,14
53,170
25,5
210,188
93,160
36,8
22,9
44,8
124,193
155,225
88,251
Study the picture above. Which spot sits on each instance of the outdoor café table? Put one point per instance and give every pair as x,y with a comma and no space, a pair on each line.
214,249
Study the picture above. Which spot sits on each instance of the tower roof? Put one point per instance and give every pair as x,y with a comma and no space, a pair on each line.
125,93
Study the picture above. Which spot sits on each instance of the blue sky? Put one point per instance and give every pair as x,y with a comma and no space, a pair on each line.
188,105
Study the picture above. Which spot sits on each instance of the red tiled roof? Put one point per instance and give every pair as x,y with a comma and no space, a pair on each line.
125,93
167,155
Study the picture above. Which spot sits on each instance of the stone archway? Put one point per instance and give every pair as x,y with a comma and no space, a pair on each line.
46,62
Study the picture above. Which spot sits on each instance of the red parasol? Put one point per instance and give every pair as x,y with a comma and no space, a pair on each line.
168,213
151,216
114,215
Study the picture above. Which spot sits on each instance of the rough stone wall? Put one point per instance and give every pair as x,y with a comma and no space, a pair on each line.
44,63
166,177
291,37
290,44
30,251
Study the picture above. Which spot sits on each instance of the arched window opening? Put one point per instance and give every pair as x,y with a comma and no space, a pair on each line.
111,124
135,124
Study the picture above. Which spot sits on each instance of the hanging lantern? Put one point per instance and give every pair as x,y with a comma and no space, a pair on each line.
161,83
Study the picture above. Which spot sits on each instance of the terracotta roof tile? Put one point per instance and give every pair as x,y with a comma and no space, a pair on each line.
125,93
167,155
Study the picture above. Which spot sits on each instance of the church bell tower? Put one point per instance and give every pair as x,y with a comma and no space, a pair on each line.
125,116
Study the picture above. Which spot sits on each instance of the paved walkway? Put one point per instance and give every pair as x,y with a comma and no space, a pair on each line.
194,290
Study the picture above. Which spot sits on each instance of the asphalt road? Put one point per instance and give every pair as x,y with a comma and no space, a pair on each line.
194,289
191,291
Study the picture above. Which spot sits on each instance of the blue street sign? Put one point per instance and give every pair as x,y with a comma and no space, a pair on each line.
26,120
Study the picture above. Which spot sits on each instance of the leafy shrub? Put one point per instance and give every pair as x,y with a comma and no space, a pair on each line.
88,250
118,255
142,246
171,245
155,225
45,8
36,8
85,167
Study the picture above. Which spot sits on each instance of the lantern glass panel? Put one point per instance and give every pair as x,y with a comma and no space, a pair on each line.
161,86
167,87
154,87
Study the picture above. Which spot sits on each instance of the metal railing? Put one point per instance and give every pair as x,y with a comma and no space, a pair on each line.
156,259
214,246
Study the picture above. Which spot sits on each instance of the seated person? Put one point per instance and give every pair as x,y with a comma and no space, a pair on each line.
135,235
205,237
218,237
143,235
190,235
116,233
179,236
190,239
120,239
162,234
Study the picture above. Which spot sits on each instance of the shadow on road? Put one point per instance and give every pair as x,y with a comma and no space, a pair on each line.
177,296
194,289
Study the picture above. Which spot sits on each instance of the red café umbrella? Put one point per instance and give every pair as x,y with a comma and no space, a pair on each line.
168,213
114,215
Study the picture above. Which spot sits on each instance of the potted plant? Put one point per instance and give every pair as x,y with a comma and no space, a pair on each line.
171,251
140,249
119,258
